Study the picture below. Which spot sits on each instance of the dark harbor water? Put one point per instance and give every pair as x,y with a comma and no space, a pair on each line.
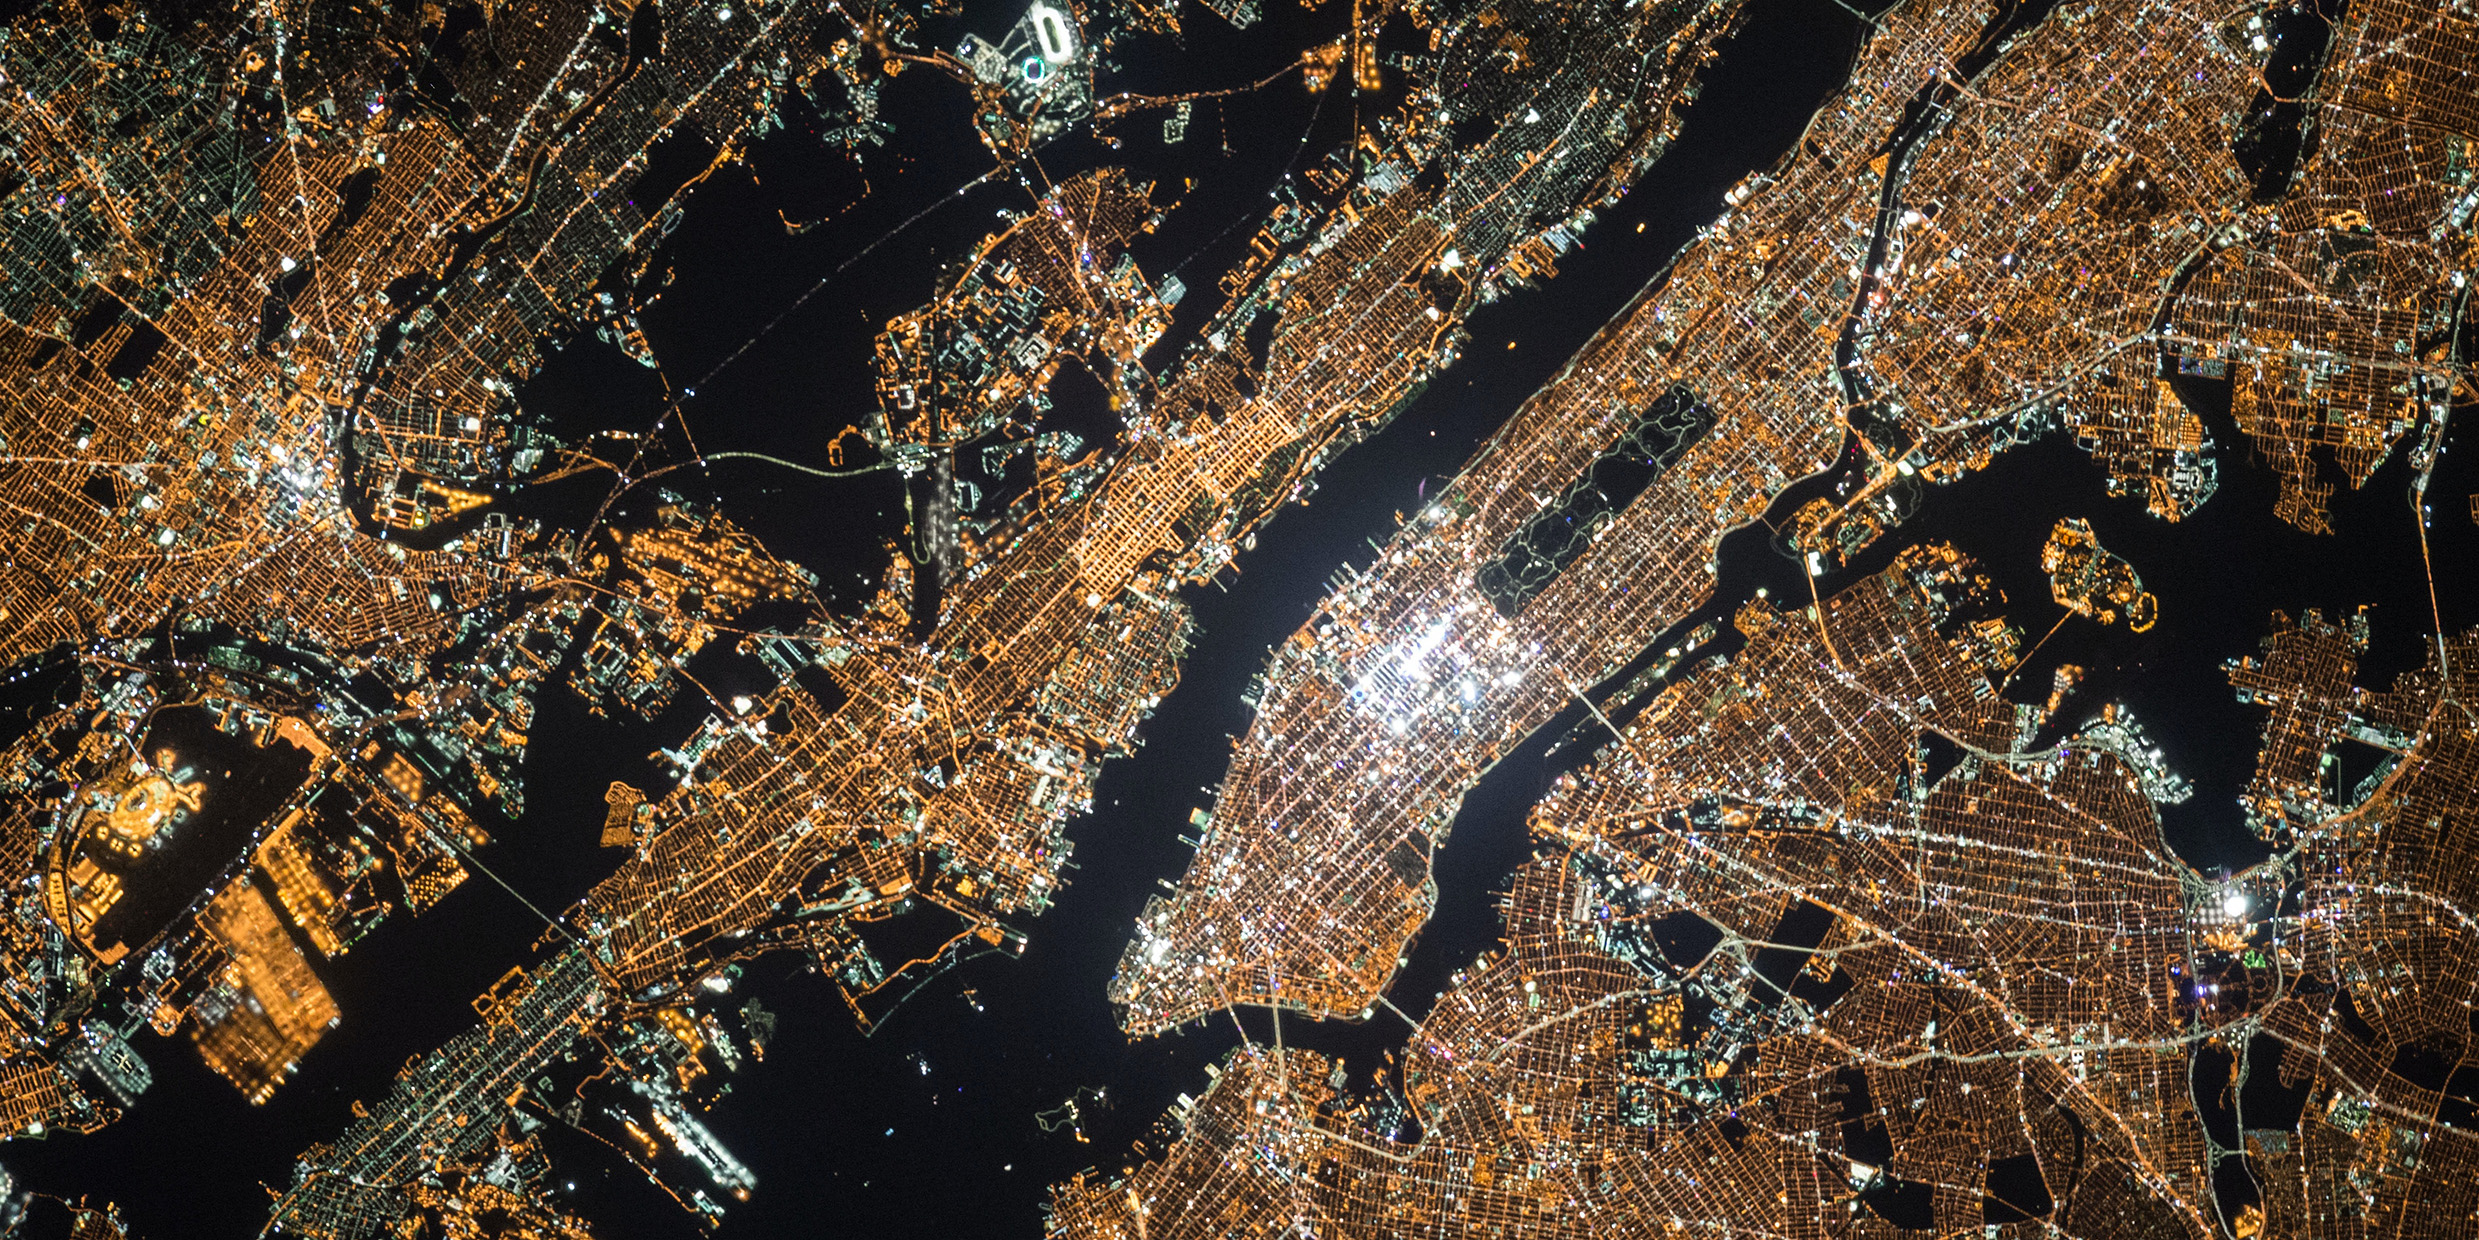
929,1127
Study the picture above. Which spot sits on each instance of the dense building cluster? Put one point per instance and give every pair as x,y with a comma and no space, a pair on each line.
2013,218
267,254
1821,942
1820,947
1998,225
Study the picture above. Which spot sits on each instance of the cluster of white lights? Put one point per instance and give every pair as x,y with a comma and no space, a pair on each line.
1405,680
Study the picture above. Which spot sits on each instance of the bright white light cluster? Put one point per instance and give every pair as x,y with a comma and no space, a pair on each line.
1437,668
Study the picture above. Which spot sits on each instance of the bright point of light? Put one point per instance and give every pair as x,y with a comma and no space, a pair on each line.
2234,904
741,704
1409,663
1451,261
